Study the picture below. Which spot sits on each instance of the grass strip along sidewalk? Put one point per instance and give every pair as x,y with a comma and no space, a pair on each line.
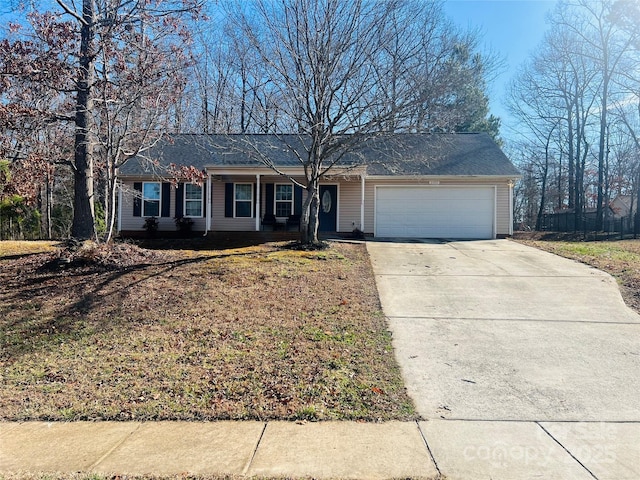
123,333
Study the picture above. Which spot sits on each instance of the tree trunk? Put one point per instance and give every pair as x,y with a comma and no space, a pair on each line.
543,194
581,152
314,210
50,181
111,212
572,158
83,200
310,210
602,147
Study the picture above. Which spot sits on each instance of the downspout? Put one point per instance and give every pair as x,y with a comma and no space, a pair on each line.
362,203
257,202
511,185
209,204
495,211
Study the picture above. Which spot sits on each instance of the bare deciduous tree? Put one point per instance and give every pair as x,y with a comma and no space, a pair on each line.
113,68
342,72
577,75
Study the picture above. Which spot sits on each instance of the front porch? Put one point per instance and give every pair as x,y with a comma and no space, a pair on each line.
218,240
264,201
212,236
232,201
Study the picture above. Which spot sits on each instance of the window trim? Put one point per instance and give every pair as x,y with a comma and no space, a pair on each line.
235,200
185,201
275,198
144,199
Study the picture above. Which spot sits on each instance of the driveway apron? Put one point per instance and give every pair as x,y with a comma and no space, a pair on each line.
494,331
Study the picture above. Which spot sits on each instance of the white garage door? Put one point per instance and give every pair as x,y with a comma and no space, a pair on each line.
435,212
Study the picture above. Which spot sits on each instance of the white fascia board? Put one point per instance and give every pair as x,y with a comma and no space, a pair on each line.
293,171
504,178
253,171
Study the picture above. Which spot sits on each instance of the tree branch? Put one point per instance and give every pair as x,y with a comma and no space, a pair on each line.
72,12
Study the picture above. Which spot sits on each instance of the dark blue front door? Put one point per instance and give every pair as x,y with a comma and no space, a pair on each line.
328,215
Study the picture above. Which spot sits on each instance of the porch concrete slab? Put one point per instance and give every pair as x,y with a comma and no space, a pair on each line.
60,447
343,450
611,451
520,370
172,448
498,450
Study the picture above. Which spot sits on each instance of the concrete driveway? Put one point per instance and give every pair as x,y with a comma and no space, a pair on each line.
499,342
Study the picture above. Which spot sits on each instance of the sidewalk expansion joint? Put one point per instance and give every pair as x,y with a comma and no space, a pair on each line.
426,444
116,446
566,450
255,450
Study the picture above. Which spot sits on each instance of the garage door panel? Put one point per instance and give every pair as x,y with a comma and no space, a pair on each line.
435,212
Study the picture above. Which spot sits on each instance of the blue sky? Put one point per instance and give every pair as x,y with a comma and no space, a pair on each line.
511,28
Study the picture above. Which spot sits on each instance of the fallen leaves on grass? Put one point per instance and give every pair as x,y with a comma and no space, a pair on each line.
256,333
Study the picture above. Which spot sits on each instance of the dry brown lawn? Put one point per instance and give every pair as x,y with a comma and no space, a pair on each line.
261,332
11,248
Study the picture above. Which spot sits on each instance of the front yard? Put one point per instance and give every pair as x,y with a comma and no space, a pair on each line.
254,333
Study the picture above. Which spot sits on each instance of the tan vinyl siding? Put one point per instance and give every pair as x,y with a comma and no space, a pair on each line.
129,222
229,224
503,210
166,224
221,223
349,205
275,179
369,206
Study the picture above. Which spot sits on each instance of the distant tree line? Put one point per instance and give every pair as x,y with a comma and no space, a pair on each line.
577,100
86,86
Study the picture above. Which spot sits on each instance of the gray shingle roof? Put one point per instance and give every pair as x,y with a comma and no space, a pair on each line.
391,154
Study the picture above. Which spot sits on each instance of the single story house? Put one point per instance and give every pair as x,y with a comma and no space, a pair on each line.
622,206
395,185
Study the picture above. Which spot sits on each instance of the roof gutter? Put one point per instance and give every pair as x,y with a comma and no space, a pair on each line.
444,177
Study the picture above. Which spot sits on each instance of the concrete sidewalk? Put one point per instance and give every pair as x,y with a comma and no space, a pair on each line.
271,449
459,449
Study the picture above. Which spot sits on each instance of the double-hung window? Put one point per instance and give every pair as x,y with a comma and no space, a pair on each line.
243,200
151,192
283,200
192,200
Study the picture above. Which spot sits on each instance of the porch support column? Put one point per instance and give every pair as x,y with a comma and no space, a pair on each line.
119,223
209,205
257,202
362,203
